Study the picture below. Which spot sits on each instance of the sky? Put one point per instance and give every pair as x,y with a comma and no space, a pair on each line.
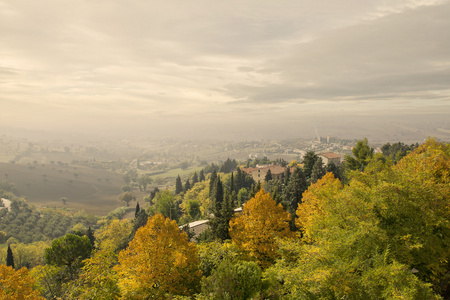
226,68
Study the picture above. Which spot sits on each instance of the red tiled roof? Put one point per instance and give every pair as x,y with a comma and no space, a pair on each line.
330,155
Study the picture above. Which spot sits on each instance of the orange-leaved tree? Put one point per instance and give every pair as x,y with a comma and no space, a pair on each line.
17,284
256,229
159,262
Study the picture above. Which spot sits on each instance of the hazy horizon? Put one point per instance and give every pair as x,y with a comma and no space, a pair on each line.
226,70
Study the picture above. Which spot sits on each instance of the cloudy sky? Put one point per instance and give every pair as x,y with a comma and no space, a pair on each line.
244,66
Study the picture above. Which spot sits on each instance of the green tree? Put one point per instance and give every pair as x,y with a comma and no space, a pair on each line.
143,181
202,176
268,176
68,250
212,183
9,257
292,194
317,171
97,279
308,163
223,213
275,188
385,235
127,197
362,153
139,221
137,210
178,186
166,205
240,281
187,185
193,209
194,179
243,196
90,236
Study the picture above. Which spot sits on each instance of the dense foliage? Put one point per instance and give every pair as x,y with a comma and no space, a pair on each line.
26,224
384,233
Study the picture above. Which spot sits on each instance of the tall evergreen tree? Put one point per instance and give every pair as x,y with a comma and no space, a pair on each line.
136,212
212,183
331,167
219,224
187,186
139,221
268,176
287,174
178,186
239,182
232,183
218,195
202,176
9,258
308,163
194,179
90,236
318,171
292,194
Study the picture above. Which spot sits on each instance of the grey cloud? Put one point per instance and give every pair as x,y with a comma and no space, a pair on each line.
398,53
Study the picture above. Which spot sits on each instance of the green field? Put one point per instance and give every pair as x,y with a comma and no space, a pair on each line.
43,185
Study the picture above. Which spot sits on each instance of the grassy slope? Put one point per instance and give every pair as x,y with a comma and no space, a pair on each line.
95,191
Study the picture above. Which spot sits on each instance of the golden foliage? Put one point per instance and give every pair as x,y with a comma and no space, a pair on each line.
159,262
310,209
256,229
114,235
16,285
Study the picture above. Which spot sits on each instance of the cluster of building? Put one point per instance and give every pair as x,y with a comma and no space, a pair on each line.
278,172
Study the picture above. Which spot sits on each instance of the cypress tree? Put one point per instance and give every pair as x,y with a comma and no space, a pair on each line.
331,167
90,236
287,174
194,179
187,186
218,195
9,258
139,221
268,176
292,194
202,176
308,163
317,171
232,183
136,212
220,222
212,183
178,186
239,179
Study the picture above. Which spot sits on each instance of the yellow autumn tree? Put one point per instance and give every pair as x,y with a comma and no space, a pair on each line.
310,210
257,228
114,236
17,285
159,262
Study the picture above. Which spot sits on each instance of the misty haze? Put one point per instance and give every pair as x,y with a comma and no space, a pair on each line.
224,149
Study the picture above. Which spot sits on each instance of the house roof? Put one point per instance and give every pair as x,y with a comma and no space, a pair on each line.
330,155
195,224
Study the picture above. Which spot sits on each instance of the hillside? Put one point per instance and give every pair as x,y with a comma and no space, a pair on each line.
95,191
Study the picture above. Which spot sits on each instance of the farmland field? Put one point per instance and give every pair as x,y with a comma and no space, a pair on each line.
43,185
